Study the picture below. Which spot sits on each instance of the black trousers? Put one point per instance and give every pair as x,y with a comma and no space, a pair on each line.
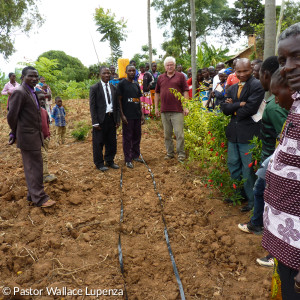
287,282
105,137
33,169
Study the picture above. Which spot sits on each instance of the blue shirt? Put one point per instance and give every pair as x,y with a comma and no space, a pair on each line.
58,114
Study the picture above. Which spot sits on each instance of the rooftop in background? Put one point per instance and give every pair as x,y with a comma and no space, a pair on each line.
247,52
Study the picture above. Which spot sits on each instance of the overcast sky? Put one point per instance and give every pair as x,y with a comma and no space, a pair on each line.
69,26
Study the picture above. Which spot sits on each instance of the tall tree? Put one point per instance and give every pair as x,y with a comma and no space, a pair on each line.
71,67
112,30
290,17
16,16
279,25
149,30
193,45
270,28
175,16
242,16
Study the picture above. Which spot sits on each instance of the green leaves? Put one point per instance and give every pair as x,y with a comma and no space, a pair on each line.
112,30
175,14
71,68
210,56
16,16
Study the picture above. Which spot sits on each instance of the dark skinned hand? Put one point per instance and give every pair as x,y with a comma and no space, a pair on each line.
97,127
229,100
297,283
124,120
11,140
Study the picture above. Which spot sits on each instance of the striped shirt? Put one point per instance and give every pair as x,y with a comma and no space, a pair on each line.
282,195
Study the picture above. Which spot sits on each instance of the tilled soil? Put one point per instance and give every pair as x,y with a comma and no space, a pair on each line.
74,245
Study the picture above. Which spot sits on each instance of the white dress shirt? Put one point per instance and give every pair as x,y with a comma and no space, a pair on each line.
109,107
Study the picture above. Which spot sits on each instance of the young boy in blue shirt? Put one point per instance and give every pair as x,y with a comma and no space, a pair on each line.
58,114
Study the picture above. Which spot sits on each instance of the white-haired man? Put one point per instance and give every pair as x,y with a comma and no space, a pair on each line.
172,112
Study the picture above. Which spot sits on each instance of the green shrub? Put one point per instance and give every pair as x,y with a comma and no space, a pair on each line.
206,142
81,131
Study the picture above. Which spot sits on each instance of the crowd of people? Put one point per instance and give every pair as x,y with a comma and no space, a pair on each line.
273,192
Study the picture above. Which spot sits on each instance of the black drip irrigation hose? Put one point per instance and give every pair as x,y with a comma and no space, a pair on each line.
166,233
119,243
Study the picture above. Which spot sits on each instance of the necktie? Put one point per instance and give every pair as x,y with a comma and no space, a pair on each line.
239,90
107,93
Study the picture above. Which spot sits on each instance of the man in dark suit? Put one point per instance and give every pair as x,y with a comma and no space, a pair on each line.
244,99
24,119
105,115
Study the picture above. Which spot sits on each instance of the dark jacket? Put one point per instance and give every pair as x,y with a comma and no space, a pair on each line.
24,119
242,128
98,104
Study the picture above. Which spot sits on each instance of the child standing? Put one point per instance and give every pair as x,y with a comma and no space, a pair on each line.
43,87
145,80
58,114
47,177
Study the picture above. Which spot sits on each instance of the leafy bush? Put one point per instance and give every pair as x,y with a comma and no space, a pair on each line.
81,131
73,89
206,142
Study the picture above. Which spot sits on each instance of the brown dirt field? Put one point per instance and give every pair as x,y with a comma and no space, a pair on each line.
37,250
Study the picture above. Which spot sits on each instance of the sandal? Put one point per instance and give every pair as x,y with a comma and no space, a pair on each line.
49,203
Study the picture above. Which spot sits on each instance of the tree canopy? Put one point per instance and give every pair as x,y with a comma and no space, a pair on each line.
242,17
71,67
16,16
112,30
175,17
290,17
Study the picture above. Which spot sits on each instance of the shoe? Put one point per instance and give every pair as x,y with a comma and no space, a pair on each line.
49,203
250,228
181,159
167,157
267,261
49,178
138,160
103,168
246,208
129,165
113,166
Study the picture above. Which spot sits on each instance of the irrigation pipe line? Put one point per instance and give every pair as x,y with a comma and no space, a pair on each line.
119,243
165,232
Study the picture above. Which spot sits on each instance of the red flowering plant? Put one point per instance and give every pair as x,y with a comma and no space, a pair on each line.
206,142
255,152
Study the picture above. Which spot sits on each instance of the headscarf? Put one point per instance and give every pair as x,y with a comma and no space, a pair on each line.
228,71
